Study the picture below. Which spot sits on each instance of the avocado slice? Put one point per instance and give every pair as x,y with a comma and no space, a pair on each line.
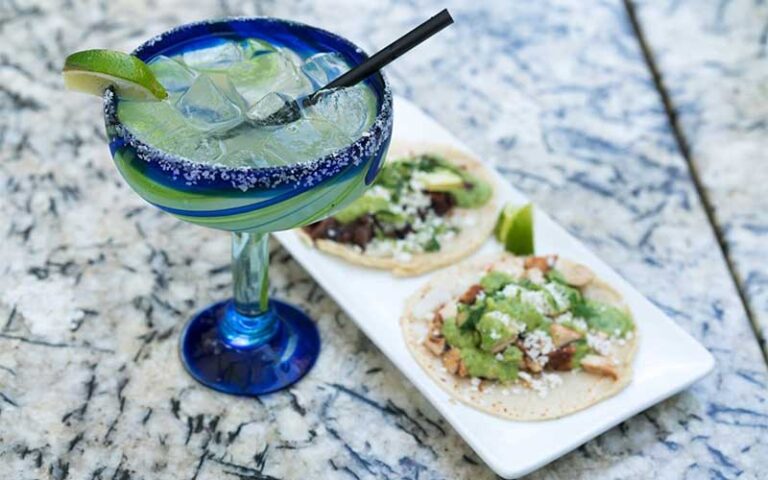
472,197
361,206
441,180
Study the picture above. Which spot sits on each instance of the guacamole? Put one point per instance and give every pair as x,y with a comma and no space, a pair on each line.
505,325
407,209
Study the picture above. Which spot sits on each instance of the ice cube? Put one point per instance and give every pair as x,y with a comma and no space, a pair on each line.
206,150
260,155
217,57
269,72
304,139
252,47
195,147
346,109
242,158
274,157
269,104
322,68
173,75
212,104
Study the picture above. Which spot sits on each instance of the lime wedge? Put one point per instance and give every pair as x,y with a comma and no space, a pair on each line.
92,71
514,229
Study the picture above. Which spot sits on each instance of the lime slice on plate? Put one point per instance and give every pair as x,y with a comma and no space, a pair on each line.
92,71
514,229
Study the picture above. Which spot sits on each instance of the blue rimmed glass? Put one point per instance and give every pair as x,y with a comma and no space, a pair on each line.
251,344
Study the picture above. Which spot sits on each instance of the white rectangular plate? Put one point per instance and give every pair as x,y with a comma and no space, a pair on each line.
668,359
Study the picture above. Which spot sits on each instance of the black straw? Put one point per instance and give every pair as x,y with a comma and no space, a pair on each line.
393,51
291,111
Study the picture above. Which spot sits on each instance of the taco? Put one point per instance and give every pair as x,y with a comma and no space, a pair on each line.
429,207
524,338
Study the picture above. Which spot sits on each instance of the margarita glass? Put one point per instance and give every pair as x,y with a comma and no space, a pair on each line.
250,344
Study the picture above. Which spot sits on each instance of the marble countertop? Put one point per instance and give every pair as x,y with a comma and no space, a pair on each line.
716,75
95,285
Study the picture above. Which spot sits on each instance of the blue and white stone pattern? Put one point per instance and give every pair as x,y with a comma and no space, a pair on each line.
95,285
714,58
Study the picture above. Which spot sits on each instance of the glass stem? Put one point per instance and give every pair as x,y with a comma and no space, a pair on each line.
249,322
250,268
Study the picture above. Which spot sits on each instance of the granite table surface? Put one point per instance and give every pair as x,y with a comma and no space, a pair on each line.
95,285
717,78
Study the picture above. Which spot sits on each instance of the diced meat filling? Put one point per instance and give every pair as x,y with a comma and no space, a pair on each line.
600,365
358,232
435,344
553,350
540,263
441,202
561,358
363,229
452,360
563,335
471,294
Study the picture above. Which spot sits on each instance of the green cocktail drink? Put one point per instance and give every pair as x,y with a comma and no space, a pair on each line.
198,153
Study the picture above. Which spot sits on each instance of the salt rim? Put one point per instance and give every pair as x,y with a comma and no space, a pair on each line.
299,175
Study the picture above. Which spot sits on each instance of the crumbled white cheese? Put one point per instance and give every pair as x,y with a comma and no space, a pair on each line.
541,384
380,247
514,325
474,384
577,322
426,226
580,323
416,184
410,202
537,300
538,345
553,379
511,290
377,191
535,275
545,383
499,357
518,326
599,343
500,316
559,295
403,256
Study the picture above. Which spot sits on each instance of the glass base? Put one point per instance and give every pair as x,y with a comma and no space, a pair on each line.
272,364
